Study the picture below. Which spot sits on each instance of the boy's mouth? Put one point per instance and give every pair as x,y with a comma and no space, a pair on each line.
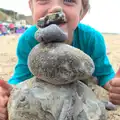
57,18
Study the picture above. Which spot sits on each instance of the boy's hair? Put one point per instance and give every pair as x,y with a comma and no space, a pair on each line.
86,5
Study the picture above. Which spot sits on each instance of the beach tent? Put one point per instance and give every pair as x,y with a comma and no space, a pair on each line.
11,26
1,25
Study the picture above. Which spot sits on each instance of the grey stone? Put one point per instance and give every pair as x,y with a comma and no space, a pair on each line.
46,35
59,63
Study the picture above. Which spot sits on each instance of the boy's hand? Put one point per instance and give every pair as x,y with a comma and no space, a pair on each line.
114,89
5,89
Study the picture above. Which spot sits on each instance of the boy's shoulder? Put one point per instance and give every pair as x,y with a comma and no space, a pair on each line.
28,37
87,29
30,31
86,38
88,33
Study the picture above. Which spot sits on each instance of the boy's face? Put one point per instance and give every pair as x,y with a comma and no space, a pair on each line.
71,8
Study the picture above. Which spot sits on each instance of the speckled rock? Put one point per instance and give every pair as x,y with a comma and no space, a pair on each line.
59,63
52,18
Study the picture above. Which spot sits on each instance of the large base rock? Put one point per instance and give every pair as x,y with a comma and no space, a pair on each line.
38,100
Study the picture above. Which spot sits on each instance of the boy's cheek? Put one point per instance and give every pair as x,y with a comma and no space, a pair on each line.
74,23
36,15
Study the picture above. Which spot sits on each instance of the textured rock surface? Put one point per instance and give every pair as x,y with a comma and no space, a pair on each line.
59,63
38,100
46,35
52,18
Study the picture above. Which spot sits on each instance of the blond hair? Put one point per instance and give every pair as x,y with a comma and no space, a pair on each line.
86,5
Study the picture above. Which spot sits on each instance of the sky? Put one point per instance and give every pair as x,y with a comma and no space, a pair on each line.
104,14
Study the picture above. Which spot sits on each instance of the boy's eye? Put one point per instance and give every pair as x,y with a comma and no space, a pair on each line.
42,1
69,2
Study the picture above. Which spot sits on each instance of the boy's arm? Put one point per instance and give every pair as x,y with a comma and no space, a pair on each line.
103,69
21,71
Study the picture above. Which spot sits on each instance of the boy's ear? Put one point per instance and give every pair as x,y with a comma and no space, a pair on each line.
30,5
83,13
31,8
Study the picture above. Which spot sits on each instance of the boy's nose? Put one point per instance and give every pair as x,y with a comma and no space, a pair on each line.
55,9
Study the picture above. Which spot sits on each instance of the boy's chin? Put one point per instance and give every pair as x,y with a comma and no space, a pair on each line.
64,27
68,33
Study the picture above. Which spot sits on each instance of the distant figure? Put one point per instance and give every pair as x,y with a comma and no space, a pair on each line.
3,30
12,28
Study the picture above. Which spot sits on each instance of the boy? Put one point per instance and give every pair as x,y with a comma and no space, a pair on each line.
80,36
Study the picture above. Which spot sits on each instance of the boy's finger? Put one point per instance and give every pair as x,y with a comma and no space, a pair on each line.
3,110
4,92
3,101
115,102
5,85
114,96
3,116
114,90
115,82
